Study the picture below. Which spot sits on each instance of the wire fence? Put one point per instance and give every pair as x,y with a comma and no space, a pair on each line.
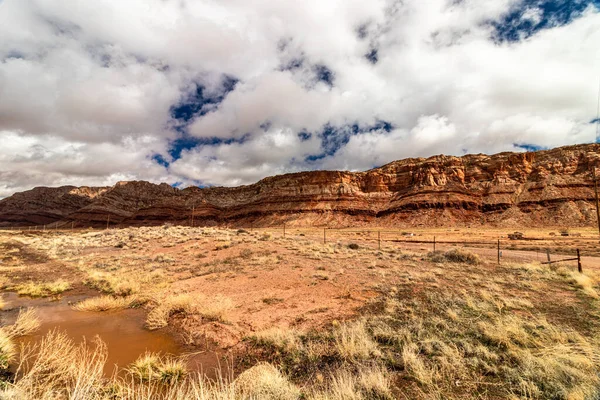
575,250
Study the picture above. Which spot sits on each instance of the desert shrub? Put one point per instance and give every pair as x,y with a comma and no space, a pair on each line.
454,256
353,246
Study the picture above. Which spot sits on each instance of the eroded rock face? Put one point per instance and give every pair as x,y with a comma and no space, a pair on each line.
553,187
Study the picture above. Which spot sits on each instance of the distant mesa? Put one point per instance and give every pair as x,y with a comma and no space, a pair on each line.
534,189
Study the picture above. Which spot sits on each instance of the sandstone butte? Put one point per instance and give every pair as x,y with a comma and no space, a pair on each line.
534,189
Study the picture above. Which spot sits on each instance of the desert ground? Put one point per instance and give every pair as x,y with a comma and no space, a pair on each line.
176,312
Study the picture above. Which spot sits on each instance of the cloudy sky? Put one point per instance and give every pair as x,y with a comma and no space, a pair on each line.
226,92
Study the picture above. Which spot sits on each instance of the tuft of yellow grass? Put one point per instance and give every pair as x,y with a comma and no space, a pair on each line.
27,323
105,303
366,383
265,381
353,342
153,367
43,289
215,308
118,285
159,316
2,303
585,283
285,339
7,350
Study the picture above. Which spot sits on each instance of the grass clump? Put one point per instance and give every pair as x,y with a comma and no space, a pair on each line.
159,316
27,323
454,256
365,383
214,309
583,282
264,381
353,341
7,350
106,303
153,367
279,338
43,289
117,285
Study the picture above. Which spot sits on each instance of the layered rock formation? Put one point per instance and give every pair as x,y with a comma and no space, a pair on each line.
545,188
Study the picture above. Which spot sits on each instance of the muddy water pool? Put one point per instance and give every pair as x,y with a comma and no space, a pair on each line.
123,331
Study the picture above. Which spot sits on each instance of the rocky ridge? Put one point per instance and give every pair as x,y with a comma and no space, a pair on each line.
544,188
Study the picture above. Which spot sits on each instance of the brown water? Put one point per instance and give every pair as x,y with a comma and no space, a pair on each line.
122,331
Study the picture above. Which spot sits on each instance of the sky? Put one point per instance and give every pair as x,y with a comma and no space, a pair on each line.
227,92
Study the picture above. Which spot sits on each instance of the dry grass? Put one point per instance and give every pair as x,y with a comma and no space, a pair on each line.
27,323
456,329
153,367
58,369
286,339
366,383
264,381
455,256
7,350
106,303
353,342
116,284
159,316
214,309
585,283
2,303
42,289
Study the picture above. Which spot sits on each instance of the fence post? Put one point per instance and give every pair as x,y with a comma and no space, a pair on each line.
284,229
498,251
579,267
379,240
434,244
548,254
324,236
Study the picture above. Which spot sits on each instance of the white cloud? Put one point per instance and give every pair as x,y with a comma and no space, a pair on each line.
86,88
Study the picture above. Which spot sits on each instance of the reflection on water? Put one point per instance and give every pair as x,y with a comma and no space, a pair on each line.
122,331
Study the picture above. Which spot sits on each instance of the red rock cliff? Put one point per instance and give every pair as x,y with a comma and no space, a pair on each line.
552,187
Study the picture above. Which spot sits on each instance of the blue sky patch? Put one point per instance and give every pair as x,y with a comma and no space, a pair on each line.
160,160
529,146
200,102
304,136
334,138
324,74
372,56
531,16
187,142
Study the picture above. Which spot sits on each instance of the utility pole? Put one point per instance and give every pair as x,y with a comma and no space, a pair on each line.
193,209
596,192
107,220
